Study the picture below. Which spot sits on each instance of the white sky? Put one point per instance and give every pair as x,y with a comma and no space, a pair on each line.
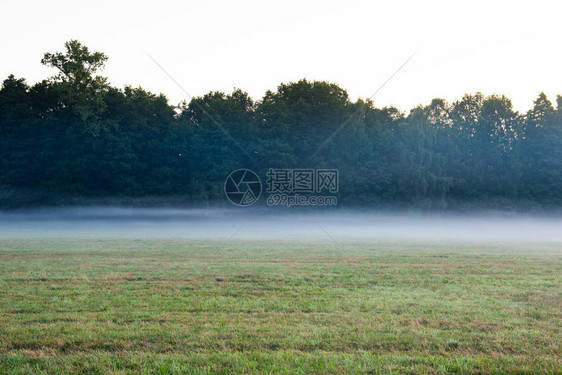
506,47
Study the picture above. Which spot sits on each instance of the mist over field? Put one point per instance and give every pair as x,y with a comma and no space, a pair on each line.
275,188
248,224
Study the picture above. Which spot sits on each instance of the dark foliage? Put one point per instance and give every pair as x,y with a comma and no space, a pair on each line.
74,135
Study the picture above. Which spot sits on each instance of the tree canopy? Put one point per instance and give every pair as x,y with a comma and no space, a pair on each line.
74,136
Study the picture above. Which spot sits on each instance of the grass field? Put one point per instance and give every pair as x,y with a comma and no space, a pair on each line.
177,306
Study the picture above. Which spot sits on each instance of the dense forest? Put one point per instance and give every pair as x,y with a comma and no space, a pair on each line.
73,138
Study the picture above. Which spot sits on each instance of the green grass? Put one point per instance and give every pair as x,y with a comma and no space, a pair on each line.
172,306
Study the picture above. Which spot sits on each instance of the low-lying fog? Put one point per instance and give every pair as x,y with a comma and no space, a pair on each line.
250,224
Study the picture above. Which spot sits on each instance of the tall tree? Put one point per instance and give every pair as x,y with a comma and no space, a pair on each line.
77,76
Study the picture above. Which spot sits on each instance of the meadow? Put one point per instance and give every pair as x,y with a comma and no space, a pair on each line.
171,306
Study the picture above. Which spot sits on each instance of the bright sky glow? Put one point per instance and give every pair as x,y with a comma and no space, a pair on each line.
503,47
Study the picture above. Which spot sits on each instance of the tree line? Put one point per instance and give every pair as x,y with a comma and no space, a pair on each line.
74,137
